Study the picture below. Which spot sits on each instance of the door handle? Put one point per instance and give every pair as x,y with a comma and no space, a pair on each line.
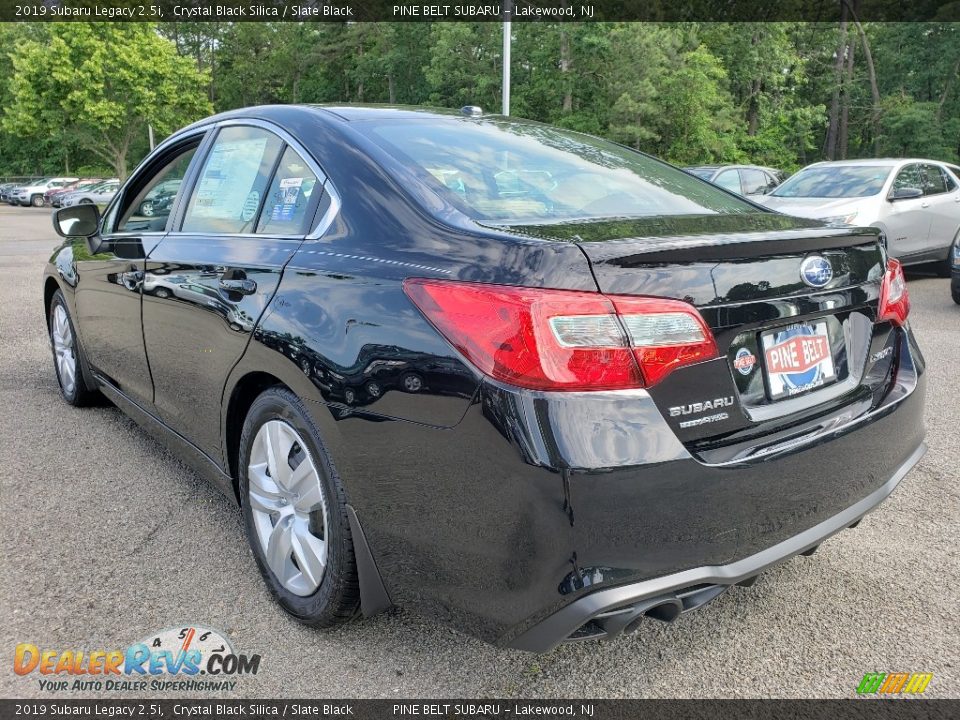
244,287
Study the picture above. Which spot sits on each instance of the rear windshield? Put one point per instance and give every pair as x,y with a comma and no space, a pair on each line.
507,172
835,181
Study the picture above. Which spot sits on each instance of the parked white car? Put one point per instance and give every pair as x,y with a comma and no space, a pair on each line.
32,194
916,203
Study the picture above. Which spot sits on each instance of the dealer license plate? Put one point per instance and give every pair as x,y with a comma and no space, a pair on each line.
797,359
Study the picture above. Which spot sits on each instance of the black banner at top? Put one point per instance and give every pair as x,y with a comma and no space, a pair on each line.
307,709
479,10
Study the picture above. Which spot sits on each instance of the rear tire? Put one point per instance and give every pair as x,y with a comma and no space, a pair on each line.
69,361
955,294
295,513
37,201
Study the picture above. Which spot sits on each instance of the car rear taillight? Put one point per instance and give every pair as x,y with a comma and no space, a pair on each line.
564,339
894,299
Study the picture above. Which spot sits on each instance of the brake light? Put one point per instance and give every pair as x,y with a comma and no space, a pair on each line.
564,339
894,299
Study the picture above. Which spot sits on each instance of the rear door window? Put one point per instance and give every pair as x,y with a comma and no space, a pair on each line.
234,179
935,180
755,182
729,180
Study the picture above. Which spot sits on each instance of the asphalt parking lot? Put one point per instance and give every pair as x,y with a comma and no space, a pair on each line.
106,538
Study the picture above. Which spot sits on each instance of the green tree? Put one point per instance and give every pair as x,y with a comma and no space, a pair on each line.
646,54
465,65
697,120
103,84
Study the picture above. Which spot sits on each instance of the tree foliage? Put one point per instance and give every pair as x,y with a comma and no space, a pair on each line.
100,85
776,93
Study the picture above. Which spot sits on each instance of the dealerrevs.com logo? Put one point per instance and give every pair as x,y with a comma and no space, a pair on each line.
189,658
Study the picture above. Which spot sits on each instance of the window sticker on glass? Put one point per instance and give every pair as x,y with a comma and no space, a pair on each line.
233,181
230,173
289,194
289,198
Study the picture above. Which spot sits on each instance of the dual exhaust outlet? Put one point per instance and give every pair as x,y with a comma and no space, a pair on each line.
665,608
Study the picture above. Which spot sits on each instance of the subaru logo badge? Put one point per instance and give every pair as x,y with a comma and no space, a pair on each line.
816,271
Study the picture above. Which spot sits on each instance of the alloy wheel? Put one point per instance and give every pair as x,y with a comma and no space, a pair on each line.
64,350
288,507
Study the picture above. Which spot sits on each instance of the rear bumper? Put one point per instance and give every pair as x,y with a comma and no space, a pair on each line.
538,513
608,613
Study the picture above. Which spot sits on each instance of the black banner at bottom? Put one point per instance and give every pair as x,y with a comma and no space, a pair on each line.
485,709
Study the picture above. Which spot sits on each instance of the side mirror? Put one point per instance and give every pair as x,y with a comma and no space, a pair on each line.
77,221
907,193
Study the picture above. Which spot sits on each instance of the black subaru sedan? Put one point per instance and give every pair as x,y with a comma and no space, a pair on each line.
527,382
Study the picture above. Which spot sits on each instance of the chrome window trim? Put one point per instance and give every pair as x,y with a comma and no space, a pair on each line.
329,215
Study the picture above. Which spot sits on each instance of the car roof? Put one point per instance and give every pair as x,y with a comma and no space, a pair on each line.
877,161
343,113
353,113
726,167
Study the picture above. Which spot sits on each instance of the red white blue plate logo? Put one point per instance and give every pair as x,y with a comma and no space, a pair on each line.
798,358
744,361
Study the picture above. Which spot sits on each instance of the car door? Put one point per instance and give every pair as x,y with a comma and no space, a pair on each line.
110,281
908,220
942,193
244,218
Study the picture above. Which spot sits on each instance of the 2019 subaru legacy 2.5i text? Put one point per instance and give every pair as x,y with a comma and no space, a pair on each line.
530,383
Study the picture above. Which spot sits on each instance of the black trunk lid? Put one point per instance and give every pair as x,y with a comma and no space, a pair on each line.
743,272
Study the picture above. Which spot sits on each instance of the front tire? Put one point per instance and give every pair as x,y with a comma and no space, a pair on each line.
294,511
68,358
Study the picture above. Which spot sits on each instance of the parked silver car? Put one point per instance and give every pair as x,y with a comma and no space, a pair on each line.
98,194
915,202
32,192
747,180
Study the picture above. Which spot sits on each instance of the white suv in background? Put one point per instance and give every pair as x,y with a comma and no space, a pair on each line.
33,194
916,203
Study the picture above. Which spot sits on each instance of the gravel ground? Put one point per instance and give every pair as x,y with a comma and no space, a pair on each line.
105,537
